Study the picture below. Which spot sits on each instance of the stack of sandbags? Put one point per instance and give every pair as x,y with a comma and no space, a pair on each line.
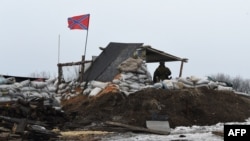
28,90
172,84
181,82
69,89
195,82
212,84
134,76
73,88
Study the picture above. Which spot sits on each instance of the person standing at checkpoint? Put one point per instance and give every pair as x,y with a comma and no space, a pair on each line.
161,73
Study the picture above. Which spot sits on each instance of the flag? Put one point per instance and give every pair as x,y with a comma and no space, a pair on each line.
79,22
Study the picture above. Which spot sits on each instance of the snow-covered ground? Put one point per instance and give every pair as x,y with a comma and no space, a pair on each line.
194,133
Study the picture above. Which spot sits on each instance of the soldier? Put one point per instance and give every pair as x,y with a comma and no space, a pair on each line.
161,73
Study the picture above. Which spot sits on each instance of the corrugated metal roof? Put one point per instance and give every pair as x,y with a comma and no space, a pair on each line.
104,68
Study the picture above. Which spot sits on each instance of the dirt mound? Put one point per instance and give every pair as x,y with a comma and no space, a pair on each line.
185,107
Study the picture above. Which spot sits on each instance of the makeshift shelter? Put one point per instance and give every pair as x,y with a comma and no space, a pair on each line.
104,67
154,55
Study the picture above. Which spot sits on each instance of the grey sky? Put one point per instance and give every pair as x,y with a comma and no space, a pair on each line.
213,34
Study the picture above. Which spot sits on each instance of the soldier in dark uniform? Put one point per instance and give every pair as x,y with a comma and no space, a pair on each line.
161,73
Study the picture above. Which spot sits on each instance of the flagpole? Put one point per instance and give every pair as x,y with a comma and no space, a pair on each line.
83,59
86,40
84,56
59,48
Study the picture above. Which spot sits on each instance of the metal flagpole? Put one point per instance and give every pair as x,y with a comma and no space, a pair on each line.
86,41
84,56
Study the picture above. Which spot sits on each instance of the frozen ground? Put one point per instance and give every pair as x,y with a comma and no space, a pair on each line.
194,133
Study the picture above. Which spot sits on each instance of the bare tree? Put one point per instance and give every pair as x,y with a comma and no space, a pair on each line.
42,74
222,77
237,82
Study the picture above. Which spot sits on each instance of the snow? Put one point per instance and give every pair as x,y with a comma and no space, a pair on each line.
193,133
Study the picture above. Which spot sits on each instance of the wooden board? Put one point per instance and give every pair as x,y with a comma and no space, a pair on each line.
136,128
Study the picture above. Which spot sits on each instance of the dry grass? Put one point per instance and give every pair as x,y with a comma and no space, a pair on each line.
83,135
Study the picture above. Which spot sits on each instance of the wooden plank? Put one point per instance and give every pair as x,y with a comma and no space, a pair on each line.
73,63
136,128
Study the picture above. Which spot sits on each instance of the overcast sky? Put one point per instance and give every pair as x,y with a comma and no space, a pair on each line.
213,34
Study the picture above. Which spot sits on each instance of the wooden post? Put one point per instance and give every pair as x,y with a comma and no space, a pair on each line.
59,75
82,69
82,63
182,62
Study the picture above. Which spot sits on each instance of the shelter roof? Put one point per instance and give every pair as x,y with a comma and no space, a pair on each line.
154,55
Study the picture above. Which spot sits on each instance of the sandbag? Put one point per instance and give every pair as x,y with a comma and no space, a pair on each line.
201,85
99,84
44,95
5,99
51,81
178,85
202,81
187,85
168,84
141,71
135,78
62,86
124,84
130,81
83,84
95,91
224,88
2,80
38,84
185,81
116,81
142,76
212,85
130,65
158,85
25,89
125,76
135,86
87,91
25,83
7,87
194,79
51,88
124,88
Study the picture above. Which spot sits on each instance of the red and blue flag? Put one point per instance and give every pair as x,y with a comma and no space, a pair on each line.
79,22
